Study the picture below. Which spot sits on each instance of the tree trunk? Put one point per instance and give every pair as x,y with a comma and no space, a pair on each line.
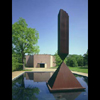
23,66
23,62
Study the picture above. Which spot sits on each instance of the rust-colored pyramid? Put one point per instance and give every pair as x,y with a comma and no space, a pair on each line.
63,79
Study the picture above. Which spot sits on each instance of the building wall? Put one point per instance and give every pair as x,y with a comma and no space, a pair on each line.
33,60
54,64
52,61
29,60
42,58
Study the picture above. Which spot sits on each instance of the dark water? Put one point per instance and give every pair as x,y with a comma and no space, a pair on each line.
32,86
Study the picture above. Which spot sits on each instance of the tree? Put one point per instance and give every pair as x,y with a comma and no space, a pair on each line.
80,60
58,60
24,39
71,61
15,61
85,58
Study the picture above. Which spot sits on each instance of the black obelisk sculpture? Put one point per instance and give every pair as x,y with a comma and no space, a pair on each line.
63,78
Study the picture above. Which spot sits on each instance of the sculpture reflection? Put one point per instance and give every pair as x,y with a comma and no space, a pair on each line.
43,77
66,96
32,86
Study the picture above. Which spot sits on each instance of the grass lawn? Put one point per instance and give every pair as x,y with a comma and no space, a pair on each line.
78,69
29,67
27,70
24,70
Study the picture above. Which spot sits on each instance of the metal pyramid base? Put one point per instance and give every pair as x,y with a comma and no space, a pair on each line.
63,79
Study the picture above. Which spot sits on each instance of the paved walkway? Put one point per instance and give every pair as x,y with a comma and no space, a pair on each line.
15,74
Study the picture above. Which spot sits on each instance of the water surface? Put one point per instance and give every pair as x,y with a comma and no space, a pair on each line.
32,86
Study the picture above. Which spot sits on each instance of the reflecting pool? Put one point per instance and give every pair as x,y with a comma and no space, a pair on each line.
32,86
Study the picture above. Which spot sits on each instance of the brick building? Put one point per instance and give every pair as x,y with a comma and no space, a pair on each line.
40,61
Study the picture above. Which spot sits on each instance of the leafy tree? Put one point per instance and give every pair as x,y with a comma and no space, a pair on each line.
15,61
77,60
85,58
58,60
80,60
24,39
71,61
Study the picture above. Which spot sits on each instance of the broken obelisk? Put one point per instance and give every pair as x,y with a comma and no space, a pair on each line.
63,34
63,78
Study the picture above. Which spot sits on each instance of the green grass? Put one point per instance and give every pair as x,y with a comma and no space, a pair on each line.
25,70
29,67
78,69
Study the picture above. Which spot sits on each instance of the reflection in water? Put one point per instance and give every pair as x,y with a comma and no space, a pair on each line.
32,86
66,96
86,79
39,77
19,92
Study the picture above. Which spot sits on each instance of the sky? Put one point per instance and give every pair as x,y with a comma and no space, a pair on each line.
43,16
